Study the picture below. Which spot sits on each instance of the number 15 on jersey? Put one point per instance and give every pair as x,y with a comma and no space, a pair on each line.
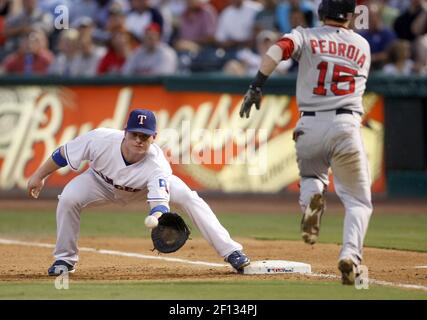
340,74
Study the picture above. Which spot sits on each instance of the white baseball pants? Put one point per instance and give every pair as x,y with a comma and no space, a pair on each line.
87,189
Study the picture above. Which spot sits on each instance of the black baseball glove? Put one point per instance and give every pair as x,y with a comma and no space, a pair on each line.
252,96
171,233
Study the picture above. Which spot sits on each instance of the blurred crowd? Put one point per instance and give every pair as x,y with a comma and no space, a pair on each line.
159,37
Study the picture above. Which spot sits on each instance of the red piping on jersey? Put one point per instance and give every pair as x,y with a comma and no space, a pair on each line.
287,45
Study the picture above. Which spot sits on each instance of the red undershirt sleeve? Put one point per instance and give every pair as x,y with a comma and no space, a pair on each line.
287,45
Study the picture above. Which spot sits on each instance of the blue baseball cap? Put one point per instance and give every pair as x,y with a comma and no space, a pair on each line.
141,120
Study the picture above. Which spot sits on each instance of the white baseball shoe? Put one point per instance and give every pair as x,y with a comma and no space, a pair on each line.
310,223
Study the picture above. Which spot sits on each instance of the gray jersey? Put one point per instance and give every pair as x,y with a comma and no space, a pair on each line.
334,64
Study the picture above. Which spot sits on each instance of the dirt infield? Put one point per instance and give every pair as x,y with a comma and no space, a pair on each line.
25,263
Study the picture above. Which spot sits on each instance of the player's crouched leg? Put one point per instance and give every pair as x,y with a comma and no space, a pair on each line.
74,197
206,221
68,228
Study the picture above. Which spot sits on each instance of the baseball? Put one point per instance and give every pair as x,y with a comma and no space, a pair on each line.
151,222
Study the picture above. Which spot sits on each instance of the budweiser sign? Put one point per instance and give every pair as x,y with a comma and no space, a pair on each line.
202,135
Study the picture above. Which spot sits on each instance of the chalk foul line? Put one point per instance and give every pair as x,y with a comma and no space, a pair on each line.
204,263
114,253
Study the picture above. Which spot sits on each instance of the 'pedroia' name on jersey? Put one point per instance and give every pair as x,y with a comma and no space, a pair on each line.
350,52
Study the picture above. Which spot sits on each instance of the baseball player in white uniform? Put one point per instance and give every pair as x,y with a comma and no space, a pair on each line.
124,166
334,63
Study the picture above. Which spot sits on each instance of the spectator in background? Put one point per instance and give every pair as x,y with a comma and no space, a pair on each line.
90,55
284,10
236,24
85,26
404,24
32,58
97,10
119,50
266,19
247,62
421,55
389,13
235,31
116,19
412,26
168,19
176,7
400,5
153,57
29,19
419,26
172,11
4,11
399,57
52,7
298,18
141,16
103,11
219,5
115,23
82,8
197,27
379,38
66,59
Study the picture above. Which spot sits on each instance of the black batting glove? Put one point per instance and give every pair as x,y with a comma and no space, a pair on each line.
252,96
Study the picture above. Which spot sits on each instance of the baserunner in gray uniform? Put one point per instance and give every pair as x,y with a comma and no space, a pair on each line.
334,63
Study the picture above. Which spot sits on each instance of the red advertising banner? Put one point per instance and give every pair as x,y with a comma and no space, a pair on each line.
208,144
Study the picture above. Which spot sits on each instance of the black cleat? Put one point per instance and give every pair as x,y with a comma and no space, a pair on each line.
238,260
58,267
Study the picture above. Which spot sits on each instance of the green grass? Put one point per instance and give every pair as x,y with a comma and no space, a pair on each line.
216,290
404,232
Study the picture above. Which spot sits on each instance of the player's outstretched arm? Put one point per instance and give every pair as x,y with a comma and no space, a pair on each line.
281,50
254,94
36,182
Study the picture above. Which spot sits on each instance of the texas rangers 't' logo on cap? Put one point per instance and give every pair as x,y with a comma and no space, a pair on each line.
141,120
